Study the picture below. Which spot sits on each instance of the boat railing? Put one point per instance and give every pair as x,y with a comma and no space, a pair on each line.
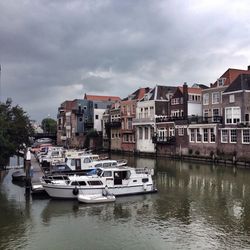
122,162
55,178
144,171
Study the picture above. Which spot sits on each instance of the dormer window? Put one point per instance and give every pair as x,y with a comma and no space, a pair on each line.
221,81
168,97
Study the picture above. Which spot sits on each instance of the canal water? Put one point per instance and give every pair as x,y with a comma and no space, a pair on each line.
198,206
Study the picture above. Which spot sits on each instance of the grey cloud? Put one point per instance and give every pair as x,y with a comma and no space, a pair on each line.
113,47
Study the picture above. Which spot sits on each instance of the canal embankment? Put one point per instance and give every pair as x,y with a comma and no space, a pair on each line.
225,160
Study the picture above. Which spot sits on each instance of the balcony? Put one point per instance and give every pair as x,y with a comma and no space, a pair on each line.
113,124
160,119
127,131
243,124
166,140
205,120
127,114
141,121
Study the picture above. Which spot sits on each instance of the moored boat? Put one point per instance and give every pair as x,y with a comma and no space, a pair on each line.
37,189
118,180
19,176
95,198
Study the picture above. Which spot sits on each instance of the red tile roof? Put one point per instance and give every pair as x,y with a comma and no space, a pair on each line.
231,75
192,90
101,98
68,105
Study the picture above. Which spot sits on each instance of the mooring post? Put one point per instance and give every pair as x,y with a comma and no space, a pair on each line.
27,168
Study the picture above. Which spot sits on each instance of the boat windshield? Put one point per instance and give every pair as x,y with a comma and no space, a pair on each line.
99,172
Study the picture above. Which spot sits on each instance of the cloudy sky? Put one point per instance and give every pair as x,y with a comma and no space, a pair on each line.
53,50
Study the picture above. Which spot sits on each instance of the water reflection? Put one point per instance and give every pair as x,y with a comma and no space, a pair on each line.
123,209
198,206
14,216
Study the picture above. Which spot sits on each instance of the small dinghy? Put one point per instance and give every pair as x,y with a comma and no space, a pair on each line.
18,176
95,198
37,189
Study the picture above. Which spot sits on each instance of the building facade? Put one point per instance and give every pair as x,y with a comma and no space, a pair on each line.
128,113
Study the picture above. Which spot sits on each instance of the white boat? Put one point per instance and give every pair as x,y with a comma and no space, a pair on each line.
37,188
119,181
95,198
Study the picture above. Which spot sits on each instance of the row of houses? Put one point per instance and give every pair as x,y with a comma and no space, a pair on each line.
167,120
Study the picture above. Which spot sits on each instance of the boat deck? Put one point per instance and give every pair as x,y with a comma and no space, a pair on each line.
37,171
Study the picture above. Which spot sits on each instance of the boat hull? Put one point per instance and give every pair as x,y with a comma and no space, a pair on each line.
71,192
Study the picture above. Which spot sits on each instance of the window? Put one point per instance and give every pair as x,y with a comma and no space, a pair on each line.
180,131
107,174
171,132
151,111
224,136
233,135
216,113
85,107
221,81
212,135
140,133
231,99
96,117
95,183
215,97
130,124
146,113
76,163
206,99
55,154
87,160
232,115
205,135
192,135
205,112
175,113
96,106
175,101
246,136
146,133
125,138
78,183
161,134
198,135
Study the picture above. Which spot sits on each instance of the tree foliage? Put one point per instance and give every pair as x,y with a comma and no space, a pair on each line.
49,125
15,130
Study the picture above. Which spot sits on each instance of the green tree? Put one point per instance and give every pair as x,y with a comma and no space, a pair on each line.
15,130
49,125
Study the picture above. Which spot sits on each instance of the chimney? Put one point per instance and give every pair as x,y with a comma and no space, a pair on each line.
185,100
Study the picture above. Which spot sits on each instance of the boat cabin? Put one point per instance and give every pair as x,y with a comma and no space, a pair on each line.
81,162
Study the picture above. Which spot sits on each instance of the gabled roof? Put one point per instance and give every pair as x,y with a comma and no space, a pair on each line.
101,98
198,85
160,92
163,91
67,105
137,95
242,82
231,75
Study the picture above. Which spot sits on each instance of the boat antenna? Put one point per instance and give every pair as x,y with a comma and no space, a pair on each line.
0,82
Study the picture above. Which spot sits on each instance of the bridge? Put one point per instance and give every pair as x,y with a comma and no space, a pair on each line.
45,135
